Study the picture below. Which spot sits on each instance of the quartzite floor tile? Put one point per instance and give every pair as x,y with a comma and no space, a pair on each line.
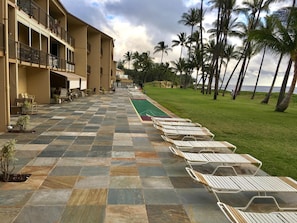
36,214
95,171
65,171
14,198
205,213
126,214
50,197
125,196
167,214
7,215
156,182
88,197
125,182
161,196
78,214
123,171
59,182
92,182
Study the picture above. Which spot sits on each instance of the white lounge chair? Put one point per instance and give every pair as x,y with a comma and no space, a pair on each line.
169,119
201,146
170,123
224,160
234,184
236,215
201,133
179,127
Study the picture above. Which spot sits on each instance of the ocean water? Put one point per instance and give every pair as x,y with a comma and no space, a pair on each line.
259,88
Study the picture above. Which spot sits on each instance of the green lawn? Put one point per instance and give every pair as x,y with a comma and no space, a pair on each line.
253,127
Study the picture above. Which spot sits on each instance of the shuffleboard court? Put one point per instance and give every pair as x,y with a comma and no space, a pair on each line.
145,108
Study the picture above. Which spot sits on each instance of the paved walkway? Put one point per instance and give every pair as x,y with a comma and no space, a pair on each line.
93,160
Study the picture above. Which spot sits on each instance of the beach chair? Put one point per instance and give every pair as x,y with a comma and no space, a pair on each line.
236,215
223,160
168,123
201,133
201,146
168,119
262,185
179,127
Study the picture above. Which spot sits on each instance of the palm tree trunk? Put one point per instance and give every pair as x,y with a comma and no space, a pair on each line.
259,72
266,99
284,84
286,101
231,75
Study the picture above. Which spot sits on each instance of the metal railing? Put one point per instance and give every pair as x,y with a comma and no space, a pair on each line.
36,12
25,53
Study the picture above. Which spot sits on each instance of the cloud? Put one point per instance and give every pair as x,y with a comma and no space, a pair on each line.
139,25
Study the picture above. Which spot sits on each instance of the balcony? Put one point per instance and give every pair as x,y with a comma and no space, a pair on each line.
34,11
25,53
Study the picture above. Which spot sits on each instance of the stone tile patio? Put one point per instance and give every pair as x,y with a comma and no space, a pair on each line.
94,160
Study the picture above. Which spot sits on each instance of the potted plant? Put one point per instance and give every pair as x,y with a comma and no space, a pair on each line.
22,122
7,159
26,106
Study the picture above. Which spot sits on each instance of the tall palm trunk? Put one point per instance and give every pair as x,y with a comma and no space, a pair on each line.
284,84
259,72
286,101
231,75
266,99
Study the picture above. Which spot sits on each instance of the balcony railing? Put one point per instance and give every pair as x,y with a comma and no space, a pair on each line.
2,43
25,53
34,11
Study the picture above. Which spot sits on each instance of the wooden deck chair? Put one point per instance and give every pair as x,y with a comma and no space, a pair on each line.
235,184
228,160
201,146
236,215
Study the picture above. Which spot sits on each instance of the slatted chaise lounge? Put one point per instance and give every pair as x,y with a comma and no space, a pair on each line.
177,127
235,184
168,123
236,215
201,146
169,119
223,160
201,133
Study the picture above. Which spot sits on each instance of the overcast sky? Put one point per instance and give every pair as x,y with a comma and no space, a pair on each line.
138,25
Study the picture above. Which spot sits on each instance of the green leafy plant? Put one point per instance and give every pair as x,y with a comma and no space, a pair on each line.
7,159
26,106
23,121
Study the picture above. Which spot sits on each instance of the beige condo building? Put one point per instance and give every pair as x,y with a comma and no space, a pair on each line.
43,47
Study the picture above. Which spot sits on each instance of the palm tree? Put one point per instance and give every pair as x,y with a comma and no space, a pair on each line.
182,39
191,18
128,58
163,48
283,40
229,53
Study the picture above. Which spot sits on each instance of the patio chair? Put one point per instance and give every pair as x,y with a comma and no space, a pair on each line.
235,184
199,133
168,119
170,123
179,127
236,215
201,146
223,160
